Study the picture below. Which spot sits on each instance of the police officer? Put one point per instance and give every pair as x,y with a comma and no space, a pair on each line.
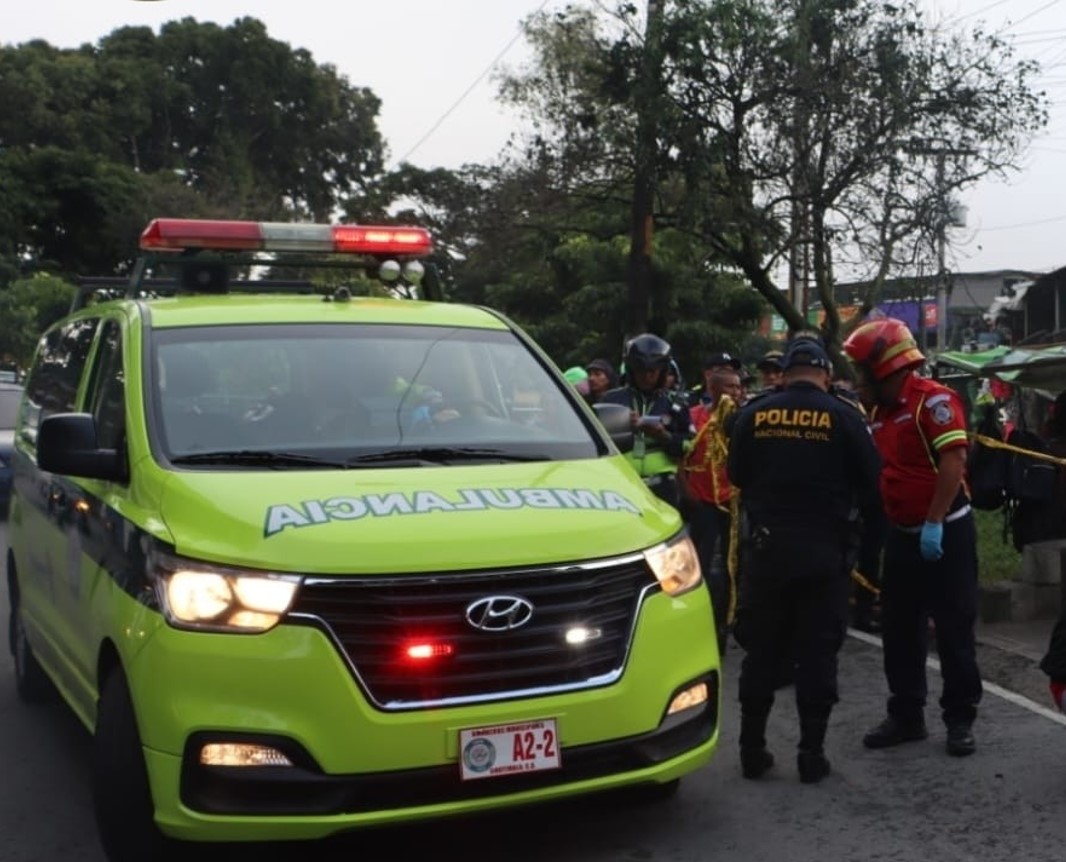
806,467
660,422
930,560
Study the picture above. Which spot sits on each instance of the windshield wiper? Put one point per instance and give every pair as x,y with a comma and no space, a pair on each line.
256,457
438,455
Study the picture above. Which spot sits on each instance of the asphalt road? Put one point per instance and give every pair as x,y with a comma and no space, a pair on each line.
911,803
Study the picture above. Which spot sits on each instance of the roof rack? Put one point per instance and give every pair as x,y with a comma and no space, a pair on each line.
104,287
205,250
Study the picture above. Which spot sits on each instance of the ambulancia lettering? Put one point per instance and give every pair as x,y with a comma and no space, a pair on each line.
311,512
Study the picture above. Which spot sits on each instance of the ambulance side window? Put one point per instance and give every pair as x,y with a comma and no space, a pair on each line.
106,398
53,384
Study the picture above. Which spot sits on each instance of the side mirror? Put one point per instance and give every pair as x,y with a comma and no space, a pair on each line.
66,444
615,420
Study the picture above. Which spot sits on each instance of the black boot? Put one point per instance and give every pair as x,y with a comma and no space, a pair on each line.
811,760
960,740
755,760
813,766
893,731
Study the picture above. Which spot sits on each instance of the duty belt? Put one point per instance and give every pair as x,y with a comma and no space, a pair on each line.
960,512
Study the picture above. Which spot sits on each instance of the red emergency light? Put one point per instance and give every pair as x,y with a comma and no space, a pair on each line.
420,651
172,234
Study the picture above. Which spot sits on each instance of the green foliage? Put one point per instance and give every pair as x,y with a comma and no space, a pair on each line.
830,129
27,307
197,120
997,559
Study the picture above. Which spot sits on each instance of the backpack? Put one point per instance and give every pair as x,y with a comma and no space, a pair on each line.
1031,479
988,469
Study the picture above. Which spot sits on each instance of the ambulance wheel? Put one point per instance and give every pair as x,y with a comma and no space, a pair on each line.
122,797
31,682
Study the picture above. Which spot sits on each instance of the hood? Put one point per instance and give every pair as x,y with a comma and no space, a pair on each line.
415,519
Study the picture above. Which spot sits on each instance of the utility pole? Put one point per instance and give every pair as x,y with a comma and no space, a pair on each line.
941,268
943,221
644,175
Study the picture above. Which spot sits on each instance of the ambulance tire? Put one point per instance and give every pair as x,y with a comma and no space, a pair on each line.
31,682
122,797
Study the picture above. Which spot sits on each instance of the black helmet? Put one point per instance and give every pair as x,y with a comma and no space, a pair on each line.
647,352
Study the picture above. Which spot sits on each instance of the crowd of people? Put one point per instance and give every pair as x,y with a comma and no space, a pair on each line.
796,491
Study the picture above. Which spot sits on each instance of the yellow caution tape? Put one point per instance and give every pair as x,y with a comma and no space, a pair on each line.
993,443
858,577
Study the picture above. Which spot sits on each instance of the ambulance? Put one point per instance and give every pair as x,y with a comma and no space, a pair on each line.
307,553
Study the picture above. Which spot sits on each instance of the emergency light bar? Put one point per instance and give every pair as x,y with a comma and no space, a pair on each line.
175,234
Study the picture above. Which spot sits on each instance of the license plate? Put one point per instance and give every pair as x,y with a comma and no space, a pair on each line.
508,749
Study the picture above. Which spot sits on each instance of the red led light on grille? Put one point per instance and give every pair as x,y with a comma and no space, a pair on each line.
424,651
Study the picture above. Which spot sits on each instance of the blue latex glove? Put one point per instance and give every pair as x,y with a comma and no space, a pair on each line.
931,541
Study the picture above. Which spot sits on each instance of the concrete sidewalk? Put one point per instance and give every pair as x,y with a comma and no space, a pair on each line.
1028,638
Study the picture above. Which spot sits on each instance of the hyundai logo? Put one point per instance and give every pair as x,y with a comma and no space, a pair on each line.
499,613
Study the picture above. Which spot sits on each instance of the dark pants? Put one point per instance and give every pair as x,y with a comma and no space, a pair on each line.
710,533
793,607
946,590
664,486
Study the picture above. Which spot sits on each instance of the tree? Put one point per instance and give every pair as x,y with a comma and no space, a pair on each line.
831,131
27,308
835,128
562,207
197,121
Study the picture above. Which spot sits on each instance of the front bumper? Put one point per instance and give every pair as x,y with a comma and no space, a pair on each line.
356,765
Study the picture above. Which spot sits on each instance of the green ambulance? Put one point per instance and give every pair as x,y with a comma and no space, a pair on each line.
304,561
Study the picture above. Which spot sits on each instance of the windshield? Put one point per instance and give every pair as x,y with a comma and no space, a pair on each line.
9,405
337,393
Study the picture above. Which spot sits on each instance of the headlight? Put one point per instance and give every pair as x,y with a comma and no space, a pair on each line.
198,595
676,565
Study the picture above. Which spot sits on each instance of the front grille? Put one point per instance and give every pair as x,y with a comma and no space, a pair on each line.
374,620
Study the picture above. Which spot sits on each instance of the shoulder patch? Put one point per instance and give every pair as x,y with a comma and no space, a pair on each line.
937,399
941,412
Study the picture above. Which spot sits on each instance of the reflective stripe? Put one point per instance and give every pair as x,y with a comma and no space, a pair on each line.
949,437
653,463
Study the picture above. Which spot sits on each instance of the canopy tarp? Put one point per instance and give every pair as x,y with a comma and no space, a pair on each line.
971,363
1037,367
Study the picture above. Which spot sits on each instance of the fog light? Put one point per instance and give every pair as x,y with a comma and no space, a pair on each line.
692,696
582,635
241,754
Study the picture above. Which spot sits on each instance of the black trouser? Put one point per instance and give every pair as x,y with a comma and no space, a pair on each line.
793,607
664,486
710,527
914,590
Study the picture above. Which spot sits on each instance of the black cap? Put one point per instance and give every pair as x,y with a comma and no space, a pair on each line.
806,352
719,360
601,365
772,359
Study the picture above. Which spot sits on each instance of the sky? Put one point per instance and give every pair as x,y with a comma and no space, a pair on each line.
432,64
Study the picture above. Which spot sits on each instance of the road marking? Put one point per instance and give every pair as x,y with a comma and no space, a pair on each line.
999,691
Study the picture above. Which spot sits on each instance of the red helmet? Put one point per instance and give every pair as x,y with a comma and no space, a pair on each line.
883,346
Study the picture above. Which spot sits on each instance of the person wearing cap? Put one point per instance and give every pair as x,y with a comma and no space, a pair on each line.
771,369
929,568
716,361
807,471
601,379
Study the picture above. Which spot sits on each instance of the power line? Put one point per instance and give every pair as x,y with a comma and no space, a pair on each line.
467,91
1024,224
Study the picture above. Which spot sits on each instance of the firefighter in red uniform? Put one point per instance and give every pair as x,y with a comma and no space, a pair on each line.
930,558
